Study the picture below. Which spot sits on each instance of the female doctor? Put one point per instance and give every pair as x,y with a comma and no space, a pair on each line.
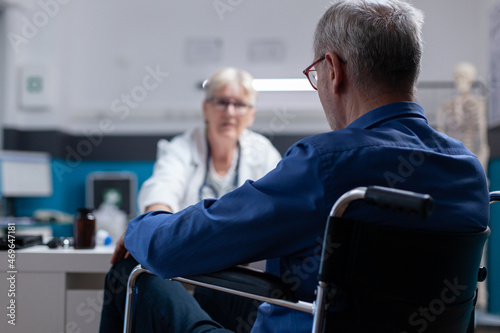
207,162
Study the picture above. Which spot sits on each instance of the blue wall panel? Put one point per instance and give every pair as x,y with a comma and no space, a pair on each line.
69,184
494,241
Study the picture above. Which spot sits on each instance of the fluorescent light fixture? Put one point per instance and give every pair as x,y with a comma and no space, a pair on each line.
279,85
282,85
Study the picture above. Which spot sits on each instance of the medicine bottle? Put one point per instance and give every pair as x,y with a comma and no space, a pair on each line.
84,229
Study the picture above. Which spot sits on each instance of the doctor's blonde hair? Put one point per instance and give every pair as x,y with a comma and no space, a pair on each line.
229,76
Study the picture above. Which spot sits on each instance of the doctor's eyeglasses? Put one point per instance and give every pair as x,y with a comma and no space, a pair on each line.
222,104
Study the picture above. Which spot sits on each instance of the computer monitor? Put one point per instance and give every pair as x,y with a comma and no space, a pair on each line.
25,174
123,183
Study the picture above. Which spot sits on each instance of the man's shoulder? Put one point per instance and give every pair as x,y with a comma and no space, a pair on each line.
397,135
342,140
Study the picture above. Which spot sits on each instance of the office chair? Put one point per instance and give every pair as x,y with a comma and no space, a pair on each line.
377,279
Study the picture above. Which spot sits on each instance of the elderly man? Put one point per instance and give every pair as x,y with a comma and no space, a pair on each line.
367,59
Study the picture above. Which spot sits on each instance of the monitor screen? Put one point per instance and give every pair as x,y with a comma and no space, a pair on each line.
25,174
122,185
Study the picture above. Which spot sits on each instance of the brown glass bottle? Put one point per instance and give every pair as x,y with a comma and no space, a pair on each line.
84,229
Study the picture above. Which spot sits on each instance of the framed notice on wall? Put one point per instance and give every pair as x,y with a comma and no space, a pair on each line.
494,102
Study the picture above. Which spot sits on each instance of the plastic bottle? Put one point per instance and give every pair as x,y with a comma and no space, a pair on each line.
103,238
109,216
84,229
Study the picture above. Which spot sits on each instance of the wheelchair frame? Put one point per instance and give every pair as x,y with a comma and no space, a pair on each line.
409,202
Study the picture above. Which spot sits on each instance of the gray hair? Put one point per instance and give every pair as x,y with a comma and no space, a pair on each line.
230,76
381,40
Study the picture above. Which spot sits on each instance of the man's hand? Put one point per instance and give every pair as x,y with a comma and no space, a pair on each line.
120,250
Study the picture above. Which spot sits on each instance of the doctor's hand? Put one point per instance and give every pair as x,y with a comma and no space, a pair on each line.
120,250
158,206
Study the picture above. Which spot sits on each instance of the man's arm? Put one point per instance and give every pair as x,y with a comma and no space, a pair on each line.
280,214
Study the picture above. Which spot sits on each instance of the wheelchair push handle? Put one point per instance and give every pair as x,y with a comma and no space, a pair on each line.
384,197
400,200
495,196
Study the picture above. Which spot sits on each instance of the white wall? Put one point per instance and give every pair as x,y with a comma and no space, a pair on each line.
95,52
454,30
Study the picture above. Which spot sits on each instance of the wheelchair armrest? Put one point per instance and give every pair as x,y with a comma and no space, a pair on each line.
249,281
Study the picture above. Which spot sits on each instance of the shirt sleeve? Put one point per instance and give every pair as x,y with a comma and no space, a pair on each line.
281,214
168,181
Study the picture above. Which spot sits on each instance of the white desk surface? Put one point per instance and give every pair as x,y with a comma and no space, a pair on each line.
40,258
45,249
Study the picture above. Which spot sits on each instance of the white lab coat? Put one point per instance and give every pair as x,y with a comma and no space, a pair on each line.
180,168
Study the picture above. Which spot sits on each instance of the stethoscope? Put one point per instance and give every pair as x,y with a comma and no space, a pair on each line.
208,191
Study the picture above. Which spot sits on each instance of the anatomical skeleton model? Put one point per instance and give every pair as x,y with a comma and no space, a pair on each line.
464,117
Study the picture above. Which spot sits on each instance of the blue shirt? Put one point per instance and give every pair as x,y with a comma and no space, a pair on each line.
281,217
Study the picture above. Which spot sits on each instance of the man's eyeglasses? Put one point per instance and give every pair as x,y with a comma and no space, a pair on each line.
311,74
221,104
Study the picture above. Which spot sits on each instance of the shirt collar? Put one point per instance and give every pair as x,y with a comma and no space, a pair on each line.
387,112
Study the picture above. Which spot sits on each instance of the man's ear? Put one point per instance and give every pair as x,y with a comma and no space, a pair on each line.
334,70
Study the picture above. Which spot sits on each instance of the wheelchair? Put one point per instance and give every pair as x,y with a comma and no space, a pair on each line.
378,278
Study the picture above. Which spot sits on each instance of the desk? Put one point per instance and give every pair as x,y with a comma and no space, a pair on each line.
56,290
